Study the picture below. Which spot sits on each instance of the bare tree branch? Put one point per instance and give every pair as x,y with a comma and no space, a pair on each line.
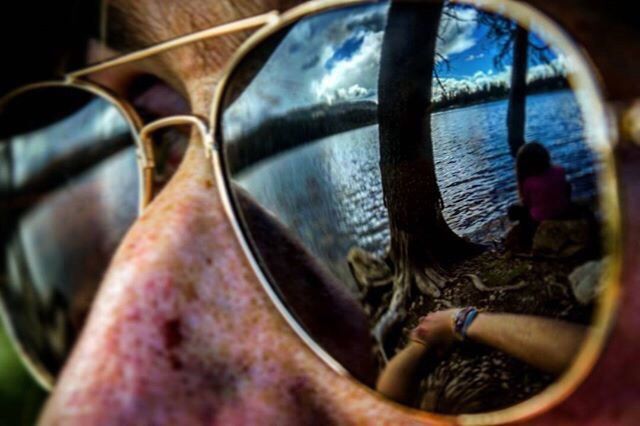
445,93
505,49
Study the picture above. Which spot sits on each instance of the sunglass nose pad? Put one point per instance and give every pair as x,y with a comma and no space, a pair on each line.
145,155
209,145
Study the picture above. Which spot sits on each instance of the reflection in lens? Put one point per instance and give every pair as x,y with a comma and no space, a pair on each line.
69,191
406,160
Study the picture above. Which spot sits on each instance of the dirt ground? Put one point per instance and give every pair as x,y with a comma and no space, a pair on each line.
472,377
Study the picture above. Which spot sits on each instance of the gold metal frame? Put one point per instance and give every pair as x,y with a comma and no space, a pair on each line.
601,135
591,101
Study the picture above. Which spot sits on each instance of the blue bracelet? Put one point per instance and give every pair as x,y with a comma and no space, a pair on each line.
467,322
462,321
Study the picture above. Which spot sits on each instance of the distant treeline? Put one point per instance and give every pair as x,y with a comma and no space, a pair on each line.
303,125
497,91
297,127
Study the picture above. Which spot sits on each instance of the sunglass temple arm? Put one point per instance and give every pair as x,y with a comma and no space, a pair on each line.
231,27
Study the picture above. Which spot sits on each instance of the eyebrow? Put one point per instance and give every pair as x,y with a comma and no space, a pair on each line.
217,31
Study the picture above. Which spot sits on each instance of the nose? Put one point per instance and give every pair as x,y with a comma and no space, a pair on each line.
181,331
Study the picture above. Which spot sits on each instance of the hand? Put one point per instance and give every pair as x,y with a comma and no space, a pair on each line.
435,329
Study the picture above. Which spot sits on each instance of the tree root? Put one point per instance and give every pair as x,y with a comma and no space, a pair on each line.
427,280
478,284
395,312
368,270
430,281
371,271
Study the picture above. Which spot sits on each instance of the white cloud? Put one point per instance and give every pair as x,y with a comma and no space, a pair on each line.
455,34
295,76
353,92
355,77
474,57
558,66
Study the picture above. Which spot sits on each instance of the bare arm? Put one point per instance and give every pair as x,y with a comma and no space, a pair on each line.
400,376
544,343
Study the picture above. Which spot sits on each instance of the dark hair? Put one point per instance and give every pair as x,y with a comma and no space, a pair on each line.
533,160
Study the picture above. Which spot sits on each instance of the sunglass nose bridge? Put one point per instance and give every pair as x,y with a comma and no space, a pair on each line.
146,156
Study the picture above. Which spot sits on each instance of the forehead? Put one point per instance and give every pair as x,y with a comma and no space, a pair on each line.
136,23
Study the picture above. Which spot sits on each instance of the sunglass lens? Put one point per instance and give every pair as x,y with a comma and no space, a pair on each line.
391,160
68,193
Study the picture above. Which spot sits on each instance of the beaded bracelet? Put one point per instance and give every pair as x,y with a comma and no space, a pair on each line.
462,320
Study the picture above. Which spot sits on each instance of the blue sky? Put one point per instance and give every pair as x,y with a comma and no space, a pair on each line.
479,56
334,57
468,62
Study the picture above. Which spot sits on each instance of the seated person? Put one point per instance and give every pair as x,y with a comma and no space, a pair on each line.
544,191
548,344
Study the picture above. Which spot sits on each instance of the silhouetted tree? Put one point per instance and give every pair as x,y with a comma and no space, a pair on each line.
513,40
516,114
421,240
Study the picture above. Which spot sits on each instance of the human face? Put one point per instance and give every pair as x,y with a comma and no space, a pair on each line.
181,331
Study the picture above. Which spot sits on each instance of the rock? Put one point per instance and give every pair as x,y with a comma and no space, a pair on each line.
585,280
562,238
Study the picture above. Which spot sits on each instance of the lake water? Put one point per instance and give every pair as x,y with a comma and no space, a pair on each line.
329,193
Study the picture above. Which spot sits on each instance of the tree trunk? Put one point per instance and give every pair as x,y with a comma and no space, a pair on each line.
518,93
421,240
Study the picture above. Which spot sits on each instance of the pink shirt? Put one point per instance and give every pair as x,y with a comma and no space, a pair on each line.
547,195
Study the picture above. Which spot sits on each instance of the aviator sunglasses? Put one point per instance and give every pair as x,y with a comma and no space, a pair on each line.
353,133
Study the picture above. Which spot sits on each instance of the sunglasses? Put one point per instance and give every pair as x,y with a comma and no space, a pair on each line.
367,154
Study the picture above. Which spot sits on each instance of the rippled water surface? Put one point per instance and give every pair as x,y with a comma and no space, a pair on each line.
329,192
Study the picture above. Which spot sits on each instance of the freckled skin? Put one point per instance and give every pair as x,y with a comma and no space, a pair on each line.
181,331
152,352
